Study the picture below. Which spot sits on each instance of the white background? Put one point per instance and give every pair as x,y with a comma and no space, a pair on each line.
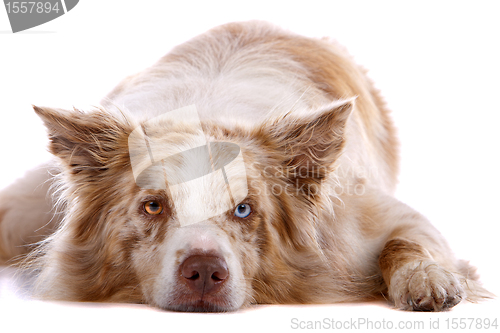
437,64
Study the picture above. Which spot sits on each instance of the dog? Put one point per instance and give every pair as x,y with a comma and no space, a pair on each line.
249,165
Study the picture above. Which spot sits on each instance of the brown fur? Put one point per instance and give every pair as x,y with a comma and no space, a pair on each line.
397,253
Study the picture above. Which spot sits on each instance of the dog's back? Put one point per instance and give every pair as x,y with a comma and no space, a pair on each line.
244,73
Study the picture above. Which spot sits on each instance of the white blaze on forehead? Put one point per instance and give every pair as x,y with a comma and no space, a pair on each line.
204,180
203,237
148,144
205,243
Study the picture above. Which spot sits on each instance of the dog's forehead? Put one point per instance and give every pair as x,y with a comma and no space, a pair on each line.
204,178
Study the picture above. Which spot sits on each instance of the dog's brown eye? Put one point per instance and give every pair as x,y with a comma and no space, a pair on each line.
153,208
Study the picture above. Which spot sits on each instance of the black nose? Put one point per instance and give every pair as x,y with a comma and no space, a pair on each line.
204,274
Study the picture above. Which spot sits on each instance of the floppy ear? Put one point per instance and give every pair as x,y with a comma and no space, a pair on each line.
84,141
310,144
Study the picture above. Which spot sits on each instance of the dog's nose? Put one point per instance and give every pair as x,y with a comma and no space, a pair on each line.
204,274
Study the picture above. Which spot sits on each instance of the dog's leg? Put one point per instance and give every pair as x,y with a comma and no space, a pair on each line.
26,213
415,280
418,267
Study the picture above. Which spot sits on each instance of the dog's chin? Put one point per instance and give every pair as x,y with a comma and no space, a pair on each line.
185,301
211,304
200,306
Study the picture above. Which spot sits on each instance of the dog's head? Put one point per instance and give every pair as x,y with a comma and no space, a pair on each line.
177,244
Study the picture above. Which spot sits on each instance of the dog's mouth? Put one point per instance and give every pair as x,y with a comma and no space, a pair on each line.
185,301
202,306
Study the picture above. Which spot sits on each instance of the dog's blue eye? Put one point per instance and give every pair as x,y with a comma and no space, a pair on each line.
242,211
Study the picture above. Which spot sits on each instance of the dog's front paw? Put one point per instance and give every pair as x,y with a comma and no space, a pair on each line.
425,286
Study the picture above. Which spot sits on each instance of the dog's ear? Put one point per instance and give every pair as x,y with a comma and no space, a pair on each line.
311,143
84,141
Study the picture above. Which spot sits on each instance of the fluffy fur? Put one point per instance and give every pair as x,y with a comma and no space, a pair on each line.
321,158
